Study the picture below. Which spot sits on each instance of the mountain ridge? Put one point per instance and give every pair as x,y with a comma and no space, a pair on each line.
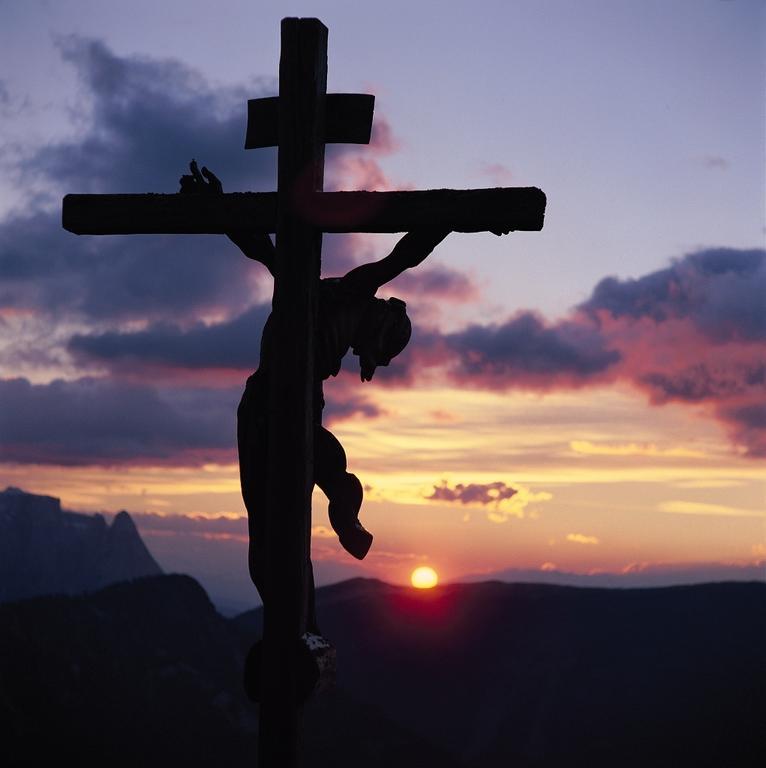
47,550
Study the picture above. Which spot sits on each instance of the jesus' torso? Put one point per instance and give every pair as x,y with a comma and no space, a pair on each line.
340,309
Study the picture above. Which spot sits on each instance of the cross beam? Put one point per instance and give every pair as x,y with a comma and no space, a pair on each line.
461,210
348,120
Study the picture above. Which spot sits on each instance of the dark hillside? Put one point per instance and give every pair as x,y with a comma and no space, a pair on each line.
483,675
147,673
140,673
532,675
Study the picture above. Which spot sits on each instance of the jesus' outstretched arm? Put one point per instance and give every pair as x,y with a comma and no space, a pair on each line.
256,246
410,251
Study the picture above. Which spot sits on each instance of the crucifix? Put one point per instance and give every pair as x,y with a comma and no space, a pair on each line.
300,121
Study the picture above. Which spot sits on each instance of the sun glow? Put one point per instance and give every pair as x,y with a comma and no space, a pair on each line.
424,577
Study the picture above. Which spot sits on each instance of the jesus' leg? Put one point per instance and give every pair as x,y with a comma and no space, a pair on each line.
343,490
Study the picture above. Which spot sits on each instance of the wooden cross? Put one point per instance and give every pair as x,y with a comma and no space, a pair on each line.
300,122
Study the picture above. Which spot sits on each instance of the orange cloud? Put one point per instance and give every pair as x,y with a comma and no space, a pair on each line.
630,449
699,508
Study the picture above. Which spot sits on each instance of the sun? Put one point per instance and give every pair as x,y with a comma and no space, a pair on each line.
424,577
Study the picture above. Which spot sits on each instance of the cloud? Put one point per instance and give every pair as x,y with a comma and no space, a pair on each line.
439,415
102,422
637,574
695,333
473,493
45,269
581,538
699,508
715,162
499,174
349,407
747,424
436,281
109,422
705,381
692,333
143,121
430,282
383,141
342,252
147,119
719,290
221,527
499,501
358,172
231,344
197,346
322,532
351,168
345,400
526,351
629,449
644,332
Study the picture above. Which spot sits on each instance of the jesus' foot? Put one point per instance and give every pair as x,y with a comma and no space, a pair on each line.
355,540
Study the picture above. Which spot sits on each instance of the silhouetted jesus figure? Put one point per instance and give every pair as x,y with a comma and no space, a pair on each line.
350,316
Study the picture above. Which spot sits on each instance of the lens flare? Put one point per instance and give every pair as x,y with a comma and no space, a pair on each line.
424,577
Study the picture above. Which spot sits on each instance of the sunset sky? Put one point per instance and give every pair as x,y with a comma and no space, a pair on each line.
588,398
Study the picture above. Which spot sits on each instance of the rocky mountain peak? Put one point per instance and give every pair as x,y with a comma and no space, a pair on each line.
44,550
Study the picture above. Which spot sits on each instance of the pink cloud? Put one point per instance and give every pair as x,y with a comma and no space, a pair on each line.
694,333
437,281
383,141
498,174
360,169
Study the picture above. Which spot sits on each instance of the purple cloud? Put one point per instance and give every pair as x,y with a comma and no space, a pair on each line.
524,349
231,344
747,424
49,271
692,333
339,407
436,281
148,118
220,526
473,493
702,382
720,290
104,422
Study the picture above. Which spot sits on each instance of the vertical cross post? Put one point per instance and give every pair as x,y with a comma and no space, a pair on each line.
302,91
